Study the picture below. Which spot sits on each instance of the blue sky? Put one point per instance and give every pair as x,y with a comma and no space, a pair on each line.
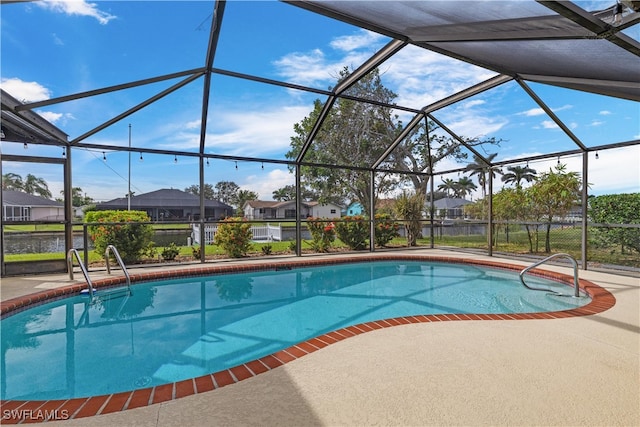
78,46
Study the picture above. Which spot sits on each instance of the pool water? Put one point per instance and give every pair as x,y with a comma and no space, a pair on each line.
171,330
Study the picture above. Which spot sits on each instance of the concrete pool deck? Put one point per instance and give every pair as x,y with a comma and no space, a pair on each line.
570,371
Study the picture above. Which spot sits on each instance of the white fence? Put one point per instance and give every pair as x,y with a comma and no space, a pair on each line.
262,233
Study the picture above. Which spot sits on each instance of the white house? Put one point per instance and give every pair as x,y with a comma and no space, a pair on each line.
261,209
19,206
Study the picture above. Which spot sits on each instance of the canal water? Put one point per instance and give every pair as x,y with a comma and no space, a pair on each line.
46,242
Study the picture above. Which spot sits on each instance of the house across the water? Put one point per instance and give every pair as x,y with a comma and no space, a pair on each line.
19,206
170,205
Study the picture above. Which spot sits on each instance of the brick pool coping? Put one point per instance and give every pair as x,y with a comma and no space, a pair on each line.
24,411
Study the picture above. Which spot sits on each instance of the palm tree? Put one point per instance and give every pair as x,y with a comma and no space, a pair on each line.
480,167
12,181
35,185
286,193
449,186
464,186
518,173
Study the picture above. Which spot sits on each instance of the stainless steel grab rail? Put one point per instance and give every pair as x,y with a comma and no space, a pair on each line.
575,273
116,254
82,268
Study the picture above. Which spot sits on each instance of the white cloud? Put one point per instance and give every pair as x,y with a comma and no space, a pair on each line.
532,112
25,91
549,124
265,186
317,67
471,104
359,40
77,8
605,113
57,40
259,132
540,112
596,123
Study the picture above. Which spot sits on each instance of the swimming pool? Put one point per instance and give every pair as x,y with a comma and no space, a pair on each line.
175,330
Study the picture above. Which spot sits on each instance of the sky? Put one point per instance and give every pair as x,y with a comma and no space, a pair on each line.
75,46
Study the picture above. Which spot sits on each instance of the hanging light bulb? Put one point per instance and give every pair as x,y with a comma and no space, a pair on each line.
64,152
26,146
175,158
141,159
597,156
236,165
262,165
104,157
207,162
558,160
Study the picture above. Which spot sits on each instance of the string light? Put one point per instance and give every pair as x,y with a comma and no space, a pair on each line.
558,160
141,159
104,157
262,165
236,165
26,145
597,156
175,158
64,152
207,162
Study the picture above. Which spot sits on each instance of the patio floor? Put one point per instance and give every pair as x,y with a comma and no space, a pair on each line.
572,371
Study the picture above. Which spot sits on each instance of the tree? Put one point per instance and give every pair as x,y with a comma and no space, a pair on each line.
553,195
209,192
241,197
616,209
288,192
481,168
226,192
409,207
417,153
12,181
78,198
353,134
465,186
357,134
35,185
449,186
284,194
516,174
514,204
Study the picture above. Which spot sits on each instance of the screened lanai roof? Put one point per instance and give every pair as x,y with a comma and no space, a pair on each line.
584,46
551,42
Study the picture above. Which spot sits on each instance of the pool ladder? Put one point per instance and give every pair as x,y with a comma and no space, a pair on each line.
110,249
563,255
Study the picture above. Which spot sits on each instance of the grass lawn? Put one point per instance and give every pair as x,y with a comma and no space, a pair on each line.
566,240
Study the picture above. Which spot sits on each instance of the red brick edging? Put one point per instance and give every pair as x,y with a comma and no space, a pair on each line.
20,411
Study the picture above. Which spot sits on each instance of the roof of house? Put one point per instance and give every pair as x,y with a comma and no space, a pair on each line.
18,198
167,198
450,203
256,204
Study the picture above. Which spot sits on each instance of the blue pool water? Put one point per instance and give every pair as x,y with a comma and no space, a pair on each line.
167,331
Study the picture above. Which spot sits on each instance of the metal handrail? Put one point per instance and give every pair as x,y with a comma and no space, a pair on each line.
82,268
575,273
116,254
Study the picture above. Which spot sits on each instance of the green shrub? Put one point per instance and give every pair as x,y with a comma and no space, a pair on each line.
354,231
122,229
234,236
171,252
196,252
386,229
266,249
322,233
293,246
